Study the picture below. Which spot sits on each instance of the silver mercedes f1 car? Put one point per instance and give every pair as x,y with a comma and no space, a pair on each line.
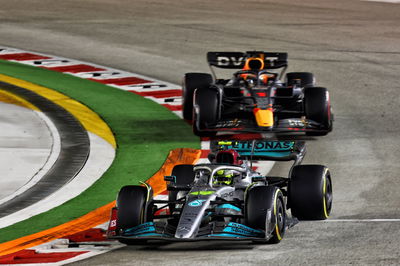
226,198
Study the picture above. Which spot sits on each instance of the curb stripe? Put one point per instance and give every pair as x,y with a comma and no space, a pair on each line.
31,256
22,57
160,94
74,68
121,81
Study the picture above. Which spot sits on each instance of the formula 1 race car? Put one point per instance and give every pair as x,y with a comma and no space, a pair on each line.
255,99
226,199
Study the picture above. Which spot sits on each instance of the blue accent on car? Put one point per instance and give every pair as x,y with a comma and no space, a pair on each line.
228,206
150,234
140,229
235,228
226,235
244,227
196,203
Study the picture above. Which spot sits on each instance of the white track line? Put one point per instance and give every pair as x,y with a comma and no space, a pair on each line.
383,1
360,220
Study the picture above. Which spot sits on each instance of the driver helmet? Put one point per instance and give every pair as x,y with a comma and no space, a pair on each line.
255,64
223,177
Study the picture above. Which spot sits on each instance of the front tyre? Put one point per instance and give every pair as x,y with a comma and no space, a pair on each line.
207,105
317,107
310,192
133,209
191,82
265,210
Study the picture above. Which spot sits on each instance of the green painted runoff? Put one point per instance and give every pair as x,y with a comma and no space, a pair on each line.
145,132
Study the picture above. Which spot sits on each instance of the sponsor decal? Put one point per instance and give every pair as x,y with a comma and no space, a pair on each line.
297,123
227,194
113,223
236,228
196,203
271,60
229,124
202,193
183,228
228,61
258,145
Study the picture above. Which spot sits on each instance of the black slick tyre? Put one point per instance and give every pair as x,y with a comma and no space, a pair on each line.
132,209
305,79
310,192
262,203
191,82
207,103
317,108
184,175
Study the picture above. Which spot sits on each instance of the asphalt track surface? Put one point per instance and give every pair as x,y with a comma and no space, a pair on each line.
352,47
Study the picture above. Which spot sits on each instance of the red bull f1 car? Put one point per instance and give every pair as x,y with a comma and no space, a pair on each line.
226,199
255,99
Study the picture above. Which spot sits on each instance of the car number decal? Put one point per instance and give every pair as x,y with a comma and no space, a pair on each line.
196,203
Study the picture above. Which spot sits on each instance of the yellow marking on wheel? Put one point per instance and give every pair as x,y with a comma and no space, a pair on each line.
89,119
8,97
148,190
276,218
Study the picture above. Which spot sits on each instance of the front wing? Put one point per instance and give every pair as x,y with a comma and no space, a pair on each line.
292,125
212,231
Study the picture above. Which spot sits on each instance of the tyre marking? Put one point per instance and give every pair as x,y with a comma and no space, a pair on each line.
276,217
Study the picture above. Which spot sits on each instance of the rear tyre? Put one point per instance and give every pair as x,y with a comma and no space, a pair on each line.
260,201
191,82
207,103
132,210
184,175
317,107
305,78
310,192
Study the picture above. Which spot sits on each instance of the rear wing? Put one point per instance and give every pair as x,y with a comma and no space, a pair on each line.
237,60
263,149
